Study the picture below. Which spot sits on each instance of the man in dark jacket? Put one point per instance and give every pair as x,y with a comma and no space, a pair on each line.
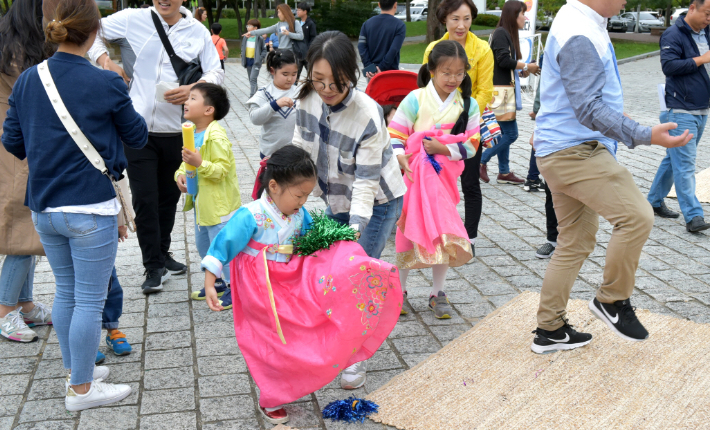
309,29
685,60
381,39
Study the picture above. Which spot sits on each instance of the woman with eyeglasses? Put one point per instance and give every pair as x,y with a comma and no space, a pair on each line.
506,54
344,131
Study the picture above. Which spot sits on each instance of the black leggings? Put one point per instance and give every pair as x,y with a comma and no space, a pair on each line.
473,199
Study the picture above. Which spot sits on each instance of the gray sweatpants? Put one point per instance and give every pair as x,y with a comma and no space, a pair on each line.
253,75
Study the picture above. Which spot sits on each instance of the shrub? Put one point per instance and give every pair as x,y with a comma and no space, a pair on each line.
345,16
486,20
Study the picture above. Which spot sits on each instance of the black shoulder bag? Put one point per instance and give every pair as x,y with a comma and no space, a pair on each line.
300,47
187,73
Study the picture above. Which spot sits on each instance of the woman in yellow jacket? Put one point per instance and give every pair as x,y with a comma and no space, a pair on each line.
457,16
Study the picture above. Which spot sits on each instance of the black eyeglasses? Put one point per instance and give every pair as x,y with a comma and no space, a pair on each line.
320,86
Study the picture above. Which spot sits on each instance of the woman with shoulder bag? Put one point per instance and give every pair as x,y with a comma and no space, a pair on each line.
74,206
506,93
21,47
457,16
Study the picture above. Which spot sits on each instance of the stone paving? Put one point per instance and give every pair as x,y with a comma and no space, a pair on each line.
186,370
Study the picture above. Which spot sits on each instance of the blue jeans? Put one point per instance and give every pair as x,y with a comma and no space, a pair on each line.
678,166
204,235
378,230
18,272
113,308
81,249
509,131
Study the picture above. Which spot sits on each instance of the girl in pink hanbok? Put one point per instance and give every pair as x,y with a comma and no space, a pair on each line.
299,320
435,128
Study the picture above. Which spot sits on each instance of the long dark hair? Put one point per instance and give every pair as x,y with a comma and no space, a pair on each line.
22,43
445,50
509,22
287,166
338,51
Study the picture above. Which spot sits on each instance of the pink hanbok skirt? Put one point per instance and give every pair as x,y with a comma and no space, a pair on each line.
335,308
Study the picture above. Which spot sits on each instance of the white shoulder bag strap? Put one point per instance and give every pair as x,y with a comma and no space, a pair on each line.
80,138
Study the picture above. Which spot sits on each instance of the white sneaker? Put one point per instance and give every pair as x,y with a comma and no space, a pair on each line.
354,376
14,328
40,315
100,393
100,372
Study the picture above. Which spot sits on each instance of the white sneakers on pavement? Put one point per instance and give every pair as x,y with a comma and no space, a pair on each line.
354,376
101,393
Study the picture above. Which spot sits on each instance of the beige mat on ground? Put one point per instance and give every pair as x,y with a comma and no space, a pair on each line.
489,379
702,188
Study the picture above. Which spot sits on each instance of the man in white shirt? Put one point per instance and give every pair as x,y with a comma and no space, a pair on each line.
151,169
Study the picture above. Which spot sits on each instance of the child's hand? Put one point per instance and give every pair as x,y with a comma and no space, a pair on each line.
403,160
191,158
122,233
285,102
210,292
182,183
433,147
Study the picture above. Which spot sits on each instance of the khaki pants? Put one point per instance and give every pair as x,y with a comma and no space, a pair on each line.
586,181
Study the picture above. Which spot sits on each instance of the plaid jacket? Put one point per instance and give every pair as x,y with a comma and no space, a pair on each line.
351,147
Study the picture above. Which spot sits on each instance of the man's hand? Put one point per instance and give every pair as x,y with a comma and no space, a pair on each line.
532,136
182,183
403,160
192,158
179,95
533,68
108,64
371,75
661,137
247,34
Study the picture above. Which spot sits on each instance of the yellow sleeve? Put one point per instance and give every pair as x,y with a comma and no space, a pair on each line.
218,165
484,90
180,171
428,51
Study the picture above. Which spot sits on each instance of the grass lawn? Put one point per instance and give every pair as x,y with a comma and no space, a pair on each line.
229,27
414,53
419,28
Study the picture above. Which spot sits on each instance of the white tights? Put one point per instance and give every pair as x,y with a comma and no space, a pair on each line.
438,276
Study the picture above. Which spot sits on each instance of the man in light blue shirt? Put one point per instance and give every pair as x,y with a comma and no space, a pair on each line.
578,128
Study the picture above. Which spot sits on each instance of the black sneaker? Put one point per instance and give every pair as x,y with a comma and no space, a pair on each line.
532,186
663,211
697,224
621,319
562,339
154,279
173,266
545,251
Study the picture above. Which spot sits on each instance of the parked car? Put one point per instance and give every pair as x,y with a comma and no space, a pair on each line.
618,24
543,24
646,21
416,13
496,12
681,11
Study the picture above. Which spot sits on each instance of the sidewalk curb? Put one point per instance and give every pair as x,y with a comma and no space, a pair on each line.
639,57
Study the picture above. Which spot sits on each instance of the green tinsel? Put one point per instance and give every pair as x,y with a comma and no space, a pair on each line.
323,233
